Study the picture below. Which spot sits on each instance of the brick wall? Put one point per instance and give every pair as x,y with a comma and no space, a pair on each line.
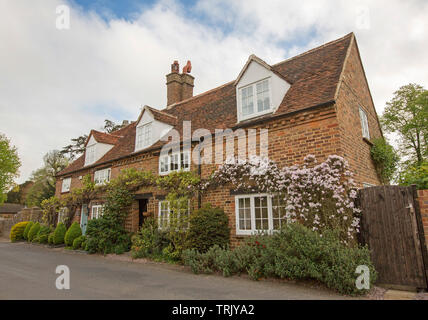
423,205
353,93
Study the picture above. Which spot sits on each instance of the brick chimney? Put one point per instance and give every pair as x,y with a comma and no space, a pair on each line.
179,86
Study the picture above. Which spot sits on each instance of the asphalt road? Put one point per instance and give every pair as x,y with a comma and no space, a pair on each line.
28,272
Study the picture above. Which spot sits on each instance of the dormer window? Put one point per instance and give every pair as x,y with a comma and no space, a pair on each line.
144,136
90,154
255,99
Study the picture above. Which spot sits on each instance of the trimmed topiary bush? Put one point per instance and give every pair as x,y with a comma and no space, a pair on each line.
50,238
33,231
42,235
43,238
27,229
17,231
77,243
72,233
59,234
208,226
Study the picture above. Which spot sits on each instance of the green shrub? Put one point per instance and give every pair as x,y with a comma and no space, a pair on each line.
208,226
103,235
33,231
77,243
59,234
27,229
149,241
72,233
17,231
295,252
83,245
50,238
42,235
43,238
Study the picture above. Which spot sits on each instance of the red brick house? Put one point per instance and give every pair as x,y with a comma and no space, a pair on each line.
316,103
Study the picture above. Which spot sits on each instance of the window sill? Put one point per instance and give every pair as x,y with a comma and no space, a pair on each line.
62,192
368,142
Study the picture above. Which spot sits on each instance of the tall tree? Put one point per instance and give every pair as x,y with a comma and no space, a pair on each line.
407,115
9,165
44,178
77,147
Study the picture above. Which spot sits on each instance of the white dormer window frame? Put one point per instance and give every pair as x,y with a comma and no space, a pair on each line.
90,154
143,136
102,176
251,94
66,184
174,162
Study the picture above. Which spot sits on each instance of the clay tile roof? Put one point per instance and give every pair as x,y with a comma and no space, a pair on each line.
10,208
103,137
163,116
314,78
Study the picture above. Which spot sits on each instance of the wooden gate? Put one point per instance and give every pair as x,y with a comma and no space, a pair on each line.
391,225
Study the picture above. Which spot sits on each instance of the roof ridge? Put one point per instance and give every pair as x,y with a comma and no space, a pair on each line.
315,49
163,112
199,95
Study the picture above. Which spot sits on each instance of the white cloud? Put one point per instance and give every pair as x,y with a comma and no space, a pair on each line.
58,84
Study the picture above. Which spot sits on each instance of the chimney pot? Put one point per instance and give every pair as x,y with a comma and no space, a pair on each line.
175,67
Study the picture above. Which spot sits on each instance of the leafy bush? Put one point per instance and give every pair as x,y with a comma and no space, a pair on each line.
50,238
59,234
42,235
33,231
103,235
17,231
149,241
77,243
208,226
295,252
72,233
385,159
27,229
43,238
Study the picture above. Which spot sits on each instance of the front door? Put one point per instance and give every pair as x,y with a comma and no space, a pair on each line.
84,218
142,208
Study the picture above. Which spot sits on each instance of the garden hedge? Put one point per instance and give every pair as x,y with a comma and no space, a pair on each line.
72,233
17,231
27,229
33,231
59,234
77,243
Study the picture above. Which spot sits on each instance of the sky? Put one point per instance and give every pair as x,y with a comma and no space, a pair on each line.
58,83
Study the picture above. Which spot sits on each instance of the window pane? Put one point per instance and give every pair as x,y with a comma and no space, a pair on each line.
261,213
278,211
244,210
263,101
247,101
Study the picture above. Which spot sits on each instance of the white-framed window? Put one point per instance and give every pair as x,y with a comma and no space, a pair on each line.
66,183
259,212
102,176
174,162
255,99
364,124
144,136
62,214
164,213
90,154
96,211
